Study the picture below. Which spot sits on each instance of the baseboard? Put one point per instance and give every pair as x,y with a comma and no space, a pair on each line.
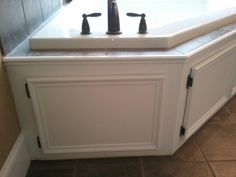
18,160
233,92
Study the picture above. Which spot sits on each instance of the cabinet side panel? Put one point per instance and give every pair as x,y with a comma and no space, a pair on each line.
209,91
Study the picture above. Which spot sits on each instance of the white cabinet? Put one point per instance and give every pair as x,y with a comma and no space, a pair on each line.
210,90
118,106
98,108
97,113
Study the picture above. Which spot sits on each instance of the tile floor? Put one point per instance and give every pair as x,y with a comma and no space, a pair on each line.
211,152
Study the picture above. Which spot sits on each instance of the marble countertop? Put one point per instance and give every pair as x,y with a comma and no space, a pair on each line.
179,50
178,53
170,22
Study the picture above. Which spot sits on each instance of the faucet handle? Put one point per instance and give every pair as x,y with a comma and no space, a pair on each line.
85,24
94,14
142,24
130,14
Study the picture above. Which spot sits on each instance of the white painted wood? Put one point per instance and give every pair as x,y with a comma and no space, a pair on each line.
93,114
209,92
49,76
101,67
18,160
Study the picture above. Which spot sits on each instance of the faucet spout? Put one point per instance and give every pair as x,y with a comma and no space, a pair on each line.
113,18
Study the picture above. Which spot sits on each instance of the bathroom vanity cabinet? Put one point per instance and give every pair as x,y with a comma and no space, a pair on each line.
119,105
111,101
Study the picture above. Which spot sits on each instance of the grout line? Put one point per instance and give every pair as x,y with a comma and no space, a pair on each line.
75,169
204,155
227,110
41,9
209,165
141,166
222,160
190,161
41,12
26,23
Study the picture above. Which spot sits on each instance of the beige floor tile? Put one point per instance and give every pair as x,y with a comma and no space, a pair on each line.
224,169
221,116
231,105
176,169
218,141
190,151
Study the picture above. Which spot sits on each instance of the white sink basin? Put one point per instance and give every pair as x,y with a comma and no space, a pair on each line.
169,22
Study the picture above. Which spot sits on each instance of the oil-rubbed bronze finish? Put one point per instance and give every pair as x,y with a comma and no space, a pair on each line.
142,24
113,18
85,24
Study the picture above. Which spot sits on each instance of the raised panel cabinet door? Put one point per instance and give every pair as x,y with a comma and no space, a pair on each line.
97,113
210,90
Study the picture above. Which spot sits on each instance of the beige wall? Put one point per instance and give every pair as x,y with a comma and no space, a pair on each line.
9,126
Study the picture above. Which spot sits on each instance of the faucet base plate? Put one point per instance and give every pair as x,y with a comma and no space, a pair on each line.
114,32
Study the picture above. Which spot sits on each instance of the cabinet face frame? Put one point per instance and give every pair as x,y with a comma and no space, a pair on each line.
156,80
196,72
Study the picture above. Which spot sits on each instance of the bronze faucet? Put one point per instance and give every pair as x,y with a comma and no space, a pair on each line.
113,18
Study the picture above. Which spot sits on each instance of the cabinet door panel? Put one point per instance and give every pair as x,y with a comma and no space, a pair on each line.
210,90
92,114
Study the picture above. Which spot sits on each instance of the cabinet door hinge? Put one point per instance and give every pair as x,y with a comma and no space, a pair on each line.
182,131
27,90
39,143
189,81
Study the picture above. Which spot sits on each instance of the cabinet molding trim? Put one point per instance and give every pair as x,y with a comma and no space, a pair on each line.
206,117
155,80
